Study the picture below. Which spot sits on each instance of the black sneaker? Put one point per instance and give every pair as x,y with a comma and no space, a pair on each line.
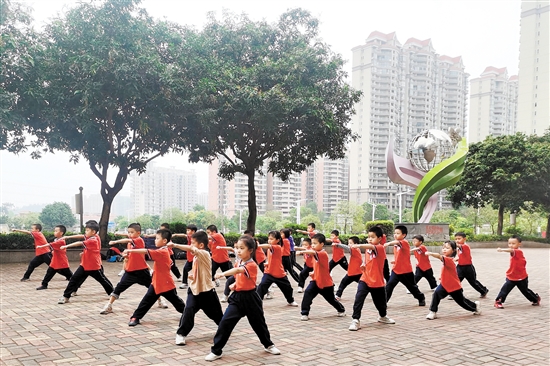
483,295
422,302
25,279
42,287
133,322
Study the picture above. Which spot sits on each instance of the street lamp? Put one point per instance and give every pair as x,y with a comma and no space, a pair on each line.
298,218
398,195
240,219
373,209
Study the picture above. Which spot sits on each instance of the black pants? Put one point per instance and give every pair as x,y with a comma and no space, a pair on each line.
206,301
522,285
407,279
141,277
261,266
342,263
224,266
458,297
51,272
230,280
287,265
428,275
242,303
282,283
36,261
303,276
186,268
80,275
312,291
346,281
174,267
378,295
294,263
386,270
151,298
468,272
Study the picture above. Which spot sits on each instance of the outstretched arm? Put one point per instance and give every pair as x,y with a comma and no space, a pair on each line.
363,246
264,246
431,254
128,251
231,272
21,231
120,241
187,248
76,236
226,248
75,244
505,250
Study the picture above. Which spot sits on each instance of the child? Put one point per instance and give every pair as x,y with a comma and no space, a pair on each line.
42,254
201,294
516,274
162,283
244,301
220,258
450,283
136,269
174,268
465,268
321,282
386,264
287,264
423,267
90,263
354,271
274,271
402,268
190,230
259,255
308,264
372,279
310,230
293,253
60,262
338,256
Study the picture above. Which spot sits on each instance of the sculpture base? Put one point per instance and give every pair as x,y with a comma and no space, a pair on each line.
430,232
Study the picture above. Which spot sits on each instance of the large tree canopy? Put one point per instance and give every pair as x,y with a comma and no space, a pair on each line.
269,94
57,213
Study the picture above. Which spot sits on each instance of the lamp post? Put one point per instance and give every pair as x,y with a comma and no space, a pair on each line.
298,218
223,216
373,209
240,220
398,195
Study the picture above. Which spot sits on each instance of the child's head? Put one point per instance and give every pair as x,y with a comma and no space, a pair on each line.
318,242
353,240
449,248
91,228
245,247
191,229
165,226
311,226
418,240
199,240
460,237
163,237
134,230
400,232
375,235
334,234
274,238
59,231
249,233
211,229
36,227
514,241
306,242
285,233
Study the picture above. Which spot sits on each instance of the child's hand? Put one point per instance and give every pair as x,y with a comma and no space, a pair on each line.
170,245
124,253
311,274
218,276
232,287
63,247
499,250
427,254
190,277
112,242
392,262
354,246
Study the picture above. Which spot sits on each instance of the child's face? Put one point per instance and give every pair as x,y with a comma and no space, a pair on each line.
309,228
447,250
460,239
513,243
283,235
89,232
373,239
398,235
132,233
242,251
271,240
316,245
160,241
208,232
34,228
196,244
351,242
306,244
189,232
417,242
57,232
333,236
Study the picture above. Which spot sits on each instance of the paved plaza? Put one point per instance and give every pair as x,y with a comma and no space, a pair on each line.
35,330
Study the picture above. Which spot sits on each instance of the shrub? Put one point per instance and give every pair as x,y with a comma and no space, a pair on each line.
387,226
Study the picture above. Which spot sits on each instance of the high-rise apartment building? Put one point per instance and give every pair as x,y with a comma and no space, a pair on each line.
534,60
162,188
406,89
493,104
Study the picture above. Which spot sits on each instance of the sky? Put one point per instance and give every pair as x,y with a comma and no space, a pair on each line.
485,33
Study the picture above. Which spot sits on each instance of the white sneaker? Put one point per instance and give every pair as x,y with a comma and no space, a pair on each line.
294,304
62,300
431,315
212,357
478,308
183,286
342,314
304,318
108,308
273,350
223,298
162,303
300,290
269,296
121,272
180,339
385,320
178,279
217,283
355,325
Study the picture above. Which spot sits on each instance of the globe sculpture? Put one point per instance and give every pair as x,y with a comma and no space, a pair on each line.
435,161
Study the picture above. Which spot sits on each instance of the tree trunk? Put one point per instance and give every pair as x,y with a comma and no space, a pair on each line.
500,219
252,209
548,227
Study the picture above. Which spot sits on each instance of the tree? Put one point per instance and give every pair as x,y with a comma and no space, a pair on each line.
349,217
58,213
270,94
108,89
198,208
173,214
539,187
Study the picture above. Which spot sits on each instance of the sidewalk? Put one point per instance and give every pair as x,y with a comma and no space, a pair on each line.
35,330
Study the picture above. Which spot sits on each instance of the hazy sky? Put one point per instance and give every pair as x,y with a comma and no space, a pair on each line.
484,33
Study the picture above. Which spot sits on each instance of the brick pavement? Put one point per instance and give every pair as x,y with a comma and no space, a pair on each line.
35,330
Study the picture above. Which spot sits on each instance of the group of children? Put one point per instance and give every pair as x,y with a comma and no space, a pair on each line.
207,252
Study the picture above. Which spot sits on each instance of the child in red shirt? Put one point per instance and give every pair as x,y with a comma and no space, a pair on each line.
162,283
450,283
308,264
60,262
220,258
423,266
287,263
372,279
516,274
354,271
190,230
338,256
244,301
321,282
42,254
402,268
465,267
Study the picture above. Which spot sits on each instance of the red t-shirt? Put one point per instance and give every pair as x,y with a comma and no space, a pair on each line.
464,255
162,280
260,255
337,252
373,274
39,239
402,258
449,276
355,261
90,259
321,272
59,256
308,259
190,255
383,240
218,256
423,260
274,264
136,261
286,247
246,281
518,263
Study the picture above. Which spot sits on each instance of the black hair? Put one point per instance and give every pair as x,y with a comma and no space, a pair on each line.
461,233
517,237
136,226
419,238
92,225
335,232
165,234
277,236
90,221
212,228
452,243
312,224
377,231
320,238
192,227
62,228
165,225
249,232
286,232
403,229
354,239
201,237
38,226
307,239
